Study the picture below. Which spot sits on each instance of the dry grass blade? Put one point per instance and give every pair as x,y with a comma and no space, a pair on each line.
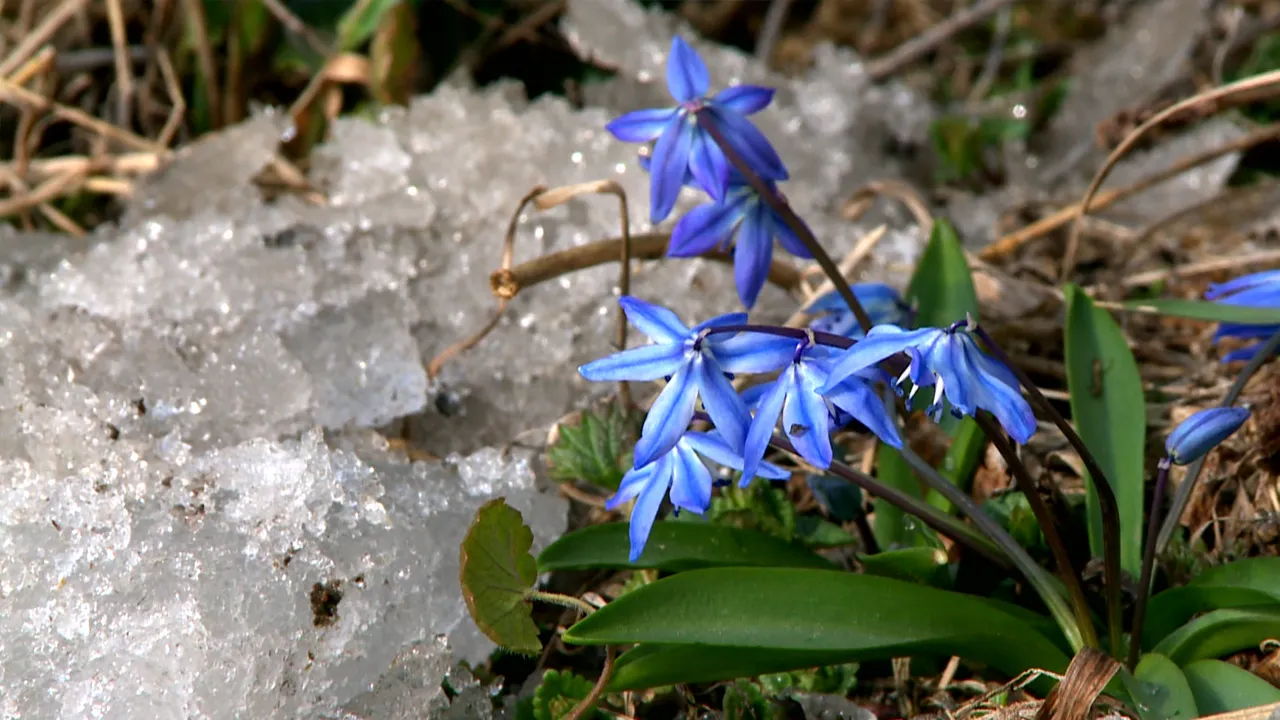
1085,679
51,189
928,41
1242,91
124,71
52,22
21,96
198,25
178,108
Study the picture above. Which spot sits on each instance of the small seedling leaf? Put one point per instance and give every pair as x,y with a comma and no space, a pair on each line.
497,574
559,693
595,450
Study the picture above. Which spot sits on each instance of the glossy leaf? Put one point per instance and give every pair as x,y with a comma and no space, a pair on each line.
1220,633
1221,688
922,565
1159,690
497,574
1109,411
853,617
675,547
1210,311
647,666
1253,582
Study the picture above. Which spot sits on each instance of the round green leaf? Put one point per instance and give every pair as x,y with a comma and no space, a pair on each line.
675,547
497,574
1159,690
789,610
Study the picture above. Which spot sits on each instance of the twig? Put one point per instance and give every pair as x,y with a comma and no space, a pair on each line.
1267,257
1011,242
54,215
124,68
50,189
294,24
40,35
198,24
921,45
991,65
22,96
178,104
1148,560
771,28
1219,98
597,690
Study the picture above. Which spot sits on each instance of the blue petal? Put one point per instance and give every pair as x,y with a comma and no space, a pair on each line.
720,321
635,480
726,409
1243,282
691,482
805,419
1260,296
1202,432
668,168
1244,353
712,447
642,125
883,341
754,353
744,99
761,430
641,364
788,238
705,228
861,402
988,390
658,323
668,417
1226,330
752,254
645,511
687,77
750,143
708,165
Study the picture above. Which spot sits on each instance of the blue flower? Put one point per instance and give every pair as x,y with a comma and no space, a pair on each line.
950,361
1261,289
684,148
713,226
681,471
1202,432
882,302
695,364
808,415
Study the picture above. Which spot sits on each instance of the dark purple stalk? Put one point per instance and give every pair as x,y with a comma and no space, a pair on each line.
1106,495
1148,559
793,221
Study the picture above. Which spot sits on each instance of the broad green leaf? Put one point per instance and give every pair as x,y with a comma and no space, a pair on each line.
497,574
1221,688
1205,310
1109,411
1253,582
1159,690
648,666
922,565
1219,633
786,610
817,533
675,547
942,291
597,450
359,23
891,526
559,693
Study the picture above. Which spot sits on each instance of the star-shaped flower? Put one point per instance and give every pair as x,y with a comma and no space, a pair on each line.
695,364
681,471
746,222
1261,289
948,359
684,148
882,302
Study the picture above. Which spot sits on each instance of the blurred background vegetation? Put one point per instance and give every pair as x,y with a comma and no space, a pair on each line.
94,93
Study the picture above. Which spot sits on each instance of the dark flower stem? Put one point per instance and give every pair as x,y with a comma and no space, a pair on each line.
1039,578
1148,560
793,221
1066,571
929,515
1106,495
1180,499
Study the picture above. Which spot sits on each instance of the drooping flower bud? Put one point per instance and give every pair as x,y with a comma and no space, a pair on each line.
1202,432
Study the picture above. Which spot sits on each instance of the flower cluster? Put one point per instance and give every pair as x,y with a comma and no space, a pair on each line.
817,382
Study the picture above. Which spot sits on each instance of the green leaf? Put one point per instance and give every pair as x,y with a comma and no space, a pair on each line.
359,23
1219,633
675,547
745,700
962,459
1253,582
1109,411
1013,511
816,532
1221,688
1160,690
921,565
826,680
648,666
760,506
497,574
810,612
942,285
559,693
1205,310
597,450
891,525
